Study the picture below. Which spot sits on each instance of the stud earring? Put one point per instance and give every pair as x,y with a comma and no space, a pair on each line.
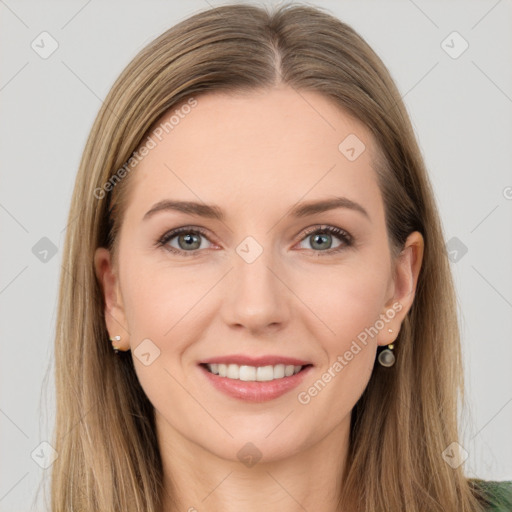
386,357
115,338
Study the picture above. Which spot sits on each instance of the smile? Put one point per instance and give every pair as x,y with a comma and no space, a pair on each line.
254,379
254,373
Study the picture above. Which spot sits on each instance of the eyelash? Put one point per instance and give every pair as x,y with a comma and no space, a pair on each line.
343,235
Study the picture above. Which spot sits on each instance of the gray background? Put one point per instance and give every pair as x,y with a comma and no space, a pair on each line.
461,110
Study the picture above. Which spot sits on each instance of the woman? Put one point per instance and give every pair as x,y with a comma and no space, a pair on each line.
256,309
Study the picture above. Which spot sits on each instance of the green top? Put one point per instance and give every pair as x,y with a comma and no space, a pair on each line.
498,494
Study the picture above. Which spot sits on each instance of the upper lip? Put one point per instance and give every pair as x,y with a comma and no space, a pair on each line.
268,360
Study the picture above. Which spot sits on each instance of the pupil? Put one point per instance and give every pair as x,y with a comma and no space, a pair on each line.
189,240
318,237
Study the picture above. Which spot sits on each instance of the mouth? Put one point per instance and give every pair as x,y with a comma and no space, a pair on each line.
254,380
248,373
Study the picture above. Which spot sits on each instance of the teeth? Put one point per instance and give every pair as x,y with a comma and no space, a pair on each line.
233,372
254,373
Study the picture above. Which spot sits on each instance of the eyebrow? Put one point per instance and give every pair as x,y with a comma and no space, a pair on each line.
214,212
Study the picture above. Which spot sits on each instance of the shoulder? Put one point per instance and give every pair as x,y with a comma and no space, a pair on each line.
497,495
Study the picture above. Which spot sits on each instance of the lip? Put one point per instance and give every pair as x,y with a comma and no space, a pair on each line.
254,391
268,360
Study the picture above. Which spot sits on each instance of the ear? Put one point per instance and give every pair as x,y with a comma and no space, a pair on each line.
403,286
115,318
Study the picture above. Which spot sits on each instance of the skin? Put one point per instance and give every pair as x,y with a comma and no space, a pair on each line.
255,155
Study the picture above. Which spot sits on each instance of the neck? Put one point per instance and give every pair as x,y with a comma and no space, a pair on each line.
196,479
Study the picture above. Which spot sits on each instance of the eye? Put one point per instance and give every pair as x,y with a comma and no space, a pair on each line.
321,238
188,240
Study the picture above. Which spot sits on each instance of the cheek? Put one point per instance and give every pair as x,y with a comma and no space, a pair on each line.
349,307
343,299
162,302
350,301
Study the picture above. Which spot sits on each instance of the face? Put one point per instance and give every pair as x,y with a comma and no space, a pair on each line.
256,282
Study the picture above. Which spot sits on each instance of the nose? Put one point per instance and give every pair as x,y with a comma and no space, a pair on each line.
257,298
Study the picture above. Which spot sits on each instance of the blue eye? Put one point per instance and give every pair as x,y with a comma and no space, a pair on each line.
323,236
190,243
188,240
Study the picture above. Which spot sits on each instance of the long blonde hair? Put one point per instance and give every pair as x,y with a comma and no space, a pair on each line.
108,455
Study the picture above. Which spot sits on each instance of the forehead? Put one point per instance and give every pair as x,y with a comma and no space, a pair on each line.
262,148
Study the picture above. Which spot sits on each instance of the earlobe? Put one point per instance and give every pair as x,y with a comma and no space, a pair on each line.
114,312
407,270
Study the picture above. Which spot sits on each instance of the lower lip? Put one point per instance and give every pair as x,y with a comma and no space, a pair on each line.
254,391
